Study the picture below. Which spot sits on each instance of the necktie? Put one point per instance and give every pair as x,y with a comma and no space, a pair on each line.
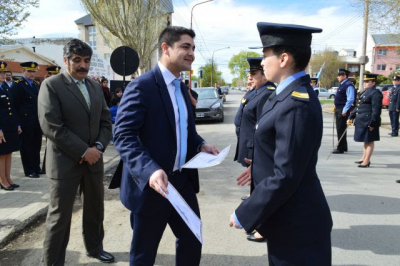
182,122
84,92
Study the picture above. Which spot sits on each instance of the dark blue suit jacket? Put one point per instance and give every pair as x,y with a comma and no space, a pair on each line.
145,137
288,204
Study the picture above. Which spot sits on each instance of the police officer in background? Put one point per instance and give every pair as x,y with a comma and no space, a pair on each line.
344,100
26,103
394,106
288,206
53,70
313,84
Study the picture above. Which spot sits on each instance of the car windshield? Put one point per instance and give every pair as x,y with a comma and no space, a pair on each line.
206,93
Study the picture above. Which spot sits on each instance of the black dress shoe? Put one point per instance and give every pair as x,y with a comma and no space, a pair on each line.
394,135
34,175
337,151
255,239
7,188
345,149
398,181
15,185
390,134
364,166
358,162
102,256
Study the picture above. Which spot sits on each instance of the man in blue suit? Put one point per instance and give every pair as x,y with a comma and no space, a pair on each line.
155,135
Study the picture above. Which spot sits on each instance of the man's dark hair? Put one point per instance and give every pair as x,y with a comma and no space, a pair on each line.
103,79
301,55
78,47
8,71
172,34
115,101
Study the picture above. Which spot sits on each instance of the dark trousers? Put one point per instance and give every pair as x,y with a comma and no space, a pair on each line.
150,221
31,143
394,121
341,127
58,222
318,254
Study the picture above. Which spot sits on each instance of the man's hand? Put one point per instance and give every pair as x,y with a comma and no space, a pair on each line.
159,182
344,114
92,156
208,148
245,177
233,223
19,130
349,122
397,110
2,139
333,109
371,128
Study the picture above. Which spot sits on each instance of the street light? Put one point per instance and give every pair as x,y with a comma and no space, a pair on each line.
191,18
212,63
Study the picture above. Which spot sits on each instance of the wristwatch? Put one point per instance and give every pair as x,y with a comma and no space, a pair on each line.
99,146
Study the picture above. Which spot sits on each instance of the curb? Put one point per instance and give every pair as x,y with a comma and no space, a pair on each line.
109,166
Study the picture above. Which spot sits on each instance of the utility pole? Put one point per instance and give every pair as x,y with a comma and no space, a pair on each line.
363,57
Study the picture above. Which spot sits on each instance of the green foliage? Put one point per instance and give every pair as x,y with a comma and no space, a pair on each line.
238,63
207,75
12,14
332,62
196,78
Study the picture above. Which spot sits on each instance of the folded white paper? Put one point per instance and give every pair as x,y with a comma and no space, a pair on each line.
203,159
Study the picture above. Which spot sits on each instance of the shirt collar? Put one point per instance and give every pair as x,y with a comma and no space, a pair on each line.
75,80
28,80
287,81
167,75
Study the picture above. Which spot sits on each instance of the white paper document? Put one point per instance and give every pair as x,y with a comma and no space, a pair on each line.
184,210
203,159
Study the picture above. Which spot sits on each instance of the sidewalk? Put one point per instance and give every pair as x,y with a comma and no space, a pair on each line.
24,205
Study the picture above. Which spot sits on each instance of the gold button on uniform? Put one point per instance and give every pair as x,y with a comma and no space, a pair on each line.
10,113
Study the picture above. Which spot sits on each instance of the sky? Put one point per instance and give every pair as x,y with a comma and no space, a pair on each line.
224,23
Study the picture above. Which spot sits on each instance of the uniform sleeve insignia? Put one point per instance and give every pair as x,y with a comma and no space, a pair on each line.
300,94
244,100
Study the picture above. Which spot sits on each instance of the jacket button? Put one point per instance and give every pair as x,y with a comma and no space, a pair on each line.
9,108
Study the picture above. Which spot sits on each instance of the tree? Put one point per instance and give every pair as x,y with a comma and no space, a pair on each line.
207,75
134,23
383,15
238,63
329,73
12,14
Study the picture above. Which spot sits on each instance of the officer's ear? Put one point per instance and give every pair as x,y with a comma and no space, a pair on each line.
285,60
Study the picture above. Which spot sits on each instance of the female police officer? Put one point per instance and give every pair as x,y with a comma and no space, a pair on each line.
288,206
368,118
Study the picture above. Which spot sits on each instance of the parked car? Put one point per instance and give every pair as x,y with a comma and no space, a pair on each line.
209,105
324,93
333,89
386,89
225,89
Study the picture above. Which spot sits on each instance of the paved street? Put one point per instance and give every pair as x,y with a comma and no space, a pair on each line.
365,205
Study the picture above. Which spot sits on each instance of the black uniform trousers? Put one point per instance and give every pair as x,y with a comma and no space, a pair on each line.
317,254
341,127
58,222
148,227
394,121
31,143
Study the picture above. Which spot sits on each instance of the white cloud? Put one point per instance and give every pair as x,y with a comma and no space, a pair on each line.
328,11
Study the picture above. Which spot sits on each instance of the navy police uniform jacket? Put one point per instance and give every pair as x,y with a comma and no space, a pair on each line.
26,103
8,114
248,119
368,112
145,138
394,103
288,204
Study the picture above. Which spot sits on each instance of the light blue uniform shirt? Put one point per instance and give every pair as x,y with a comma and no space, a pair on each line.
350,97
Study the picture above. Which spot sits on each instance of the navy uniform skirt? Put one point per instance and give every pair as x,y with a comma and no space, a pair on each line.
363,134
13,142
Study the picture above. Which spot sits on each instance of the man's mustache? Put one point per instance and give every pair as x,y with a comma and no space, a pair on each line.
84,70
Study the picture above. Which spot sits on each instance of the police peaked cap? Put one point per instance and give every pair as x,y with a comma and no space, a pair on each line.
342,71
371,76
273,34
254,63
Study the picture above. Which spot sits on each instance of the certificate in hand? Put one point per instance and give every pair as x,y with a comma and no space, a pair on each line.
189,217
203,159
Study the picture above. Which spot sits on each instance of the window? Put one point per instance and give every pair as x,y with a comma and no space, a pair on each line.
382,67
107,56
353,69
382,51
92,37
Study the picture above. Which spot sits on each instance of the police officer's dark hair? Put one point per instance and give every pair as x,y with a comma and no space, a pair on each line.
301,55
78,47
172,34
8,71
103,79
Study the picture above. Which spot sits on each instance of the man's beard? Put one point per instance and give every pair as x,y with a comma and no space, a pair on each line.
8,79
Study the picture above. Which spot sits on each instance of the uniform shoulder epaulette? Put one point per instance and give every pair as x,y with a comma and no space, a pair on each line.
17,81
271,88
300,94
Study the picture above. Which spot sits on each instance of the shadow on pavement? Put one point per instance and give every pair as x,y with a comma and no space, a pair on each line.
217,259
364,204
379,239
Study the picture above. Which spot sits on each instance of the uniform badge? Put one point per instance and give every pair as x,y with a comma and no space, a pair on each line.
32,65
244,100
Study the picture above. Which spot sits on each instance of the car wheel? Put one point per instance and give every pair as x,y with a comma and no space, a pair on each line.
222,118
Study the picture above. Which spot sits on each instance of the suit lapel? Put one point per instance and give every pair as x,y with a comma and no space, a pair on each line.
165,97
73,88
